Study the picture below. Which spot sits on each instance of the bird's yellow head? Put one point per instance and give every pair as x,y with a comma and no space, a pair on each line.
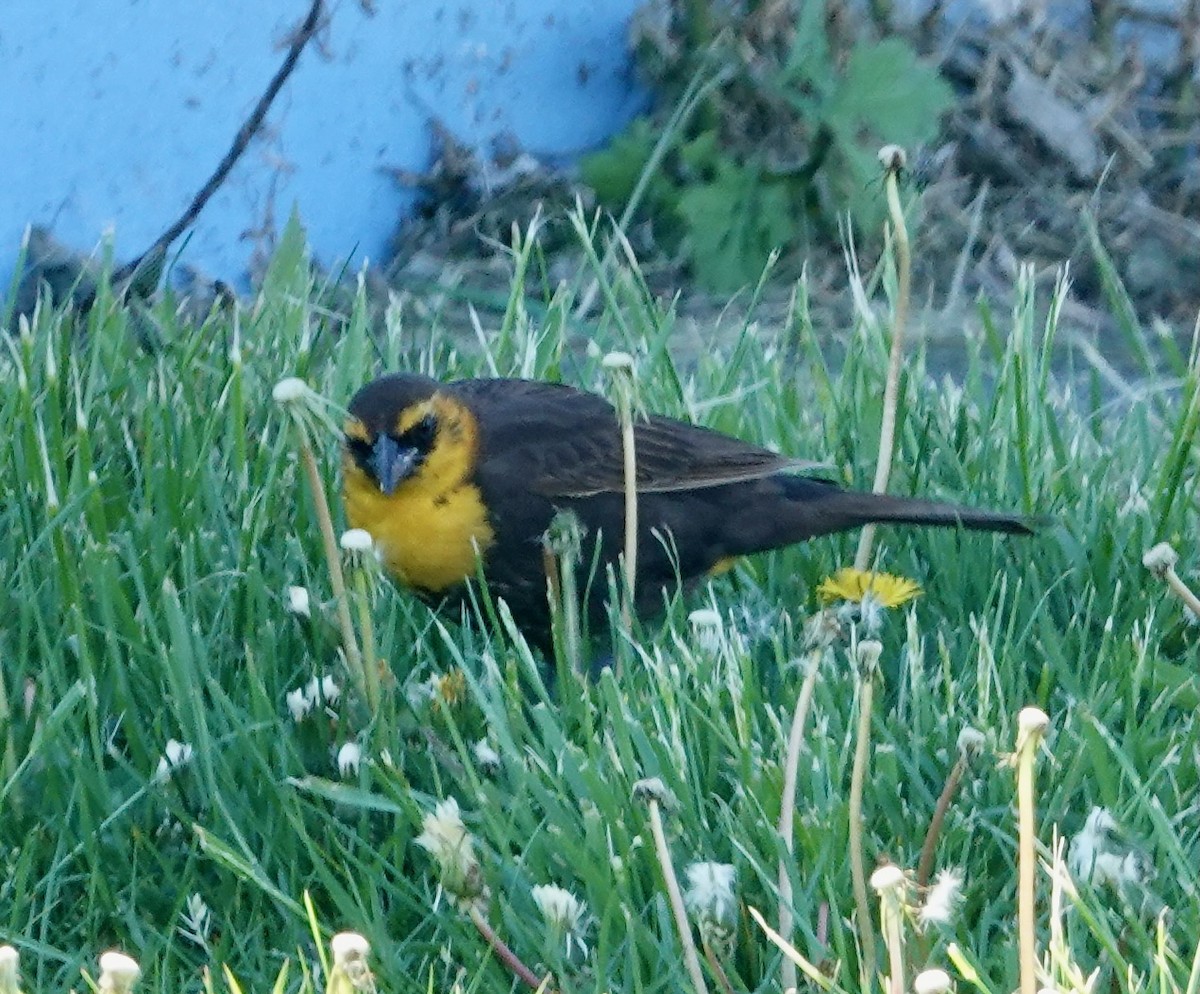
407,466
395,428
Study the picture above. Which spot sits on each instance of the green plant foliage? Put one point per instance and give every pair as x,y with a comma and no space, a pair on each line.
733,223
785,143
154,515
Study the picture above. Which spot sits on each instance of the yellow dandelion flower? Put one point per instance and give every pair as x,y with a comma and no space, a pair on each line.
451,687
854,585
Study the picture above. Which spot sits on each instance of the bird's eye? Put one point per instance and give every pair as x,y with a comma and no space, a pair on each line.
360,448
423,432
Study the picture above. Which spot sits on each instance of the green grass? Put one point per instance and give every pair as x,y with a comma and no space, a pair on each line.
153,513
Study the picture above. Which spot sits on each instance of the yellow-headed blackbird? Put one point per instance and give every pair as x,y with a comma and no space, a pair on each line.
438,473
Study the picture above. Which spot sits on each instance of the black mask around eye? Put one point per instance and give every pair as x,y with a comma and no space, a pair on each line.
392,459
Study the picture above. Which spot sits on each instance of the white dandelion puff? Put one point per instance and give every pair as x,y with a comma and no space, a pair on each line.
487,757
357,540
932,981
653,789
299,704
563,913
118,973
298,601
1098,855
888,877
706,629
330,690
445,837
350,952
289,390
971,742
943,898
349,759
175,755
709,895
10,970
617,361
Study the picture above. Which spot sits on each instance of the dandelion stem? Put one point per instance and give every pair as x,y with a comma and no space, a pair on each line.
563,593
629,454
620,368
893,161
370,661
862,748
714,964
334,559
787,808
690,959
891,913
504,953
1033,724
1183,591
1161,561
929,848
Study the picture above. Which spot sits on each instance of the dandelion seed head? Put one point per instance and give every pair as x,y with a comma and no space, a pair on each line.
446,839
888,877
348,946
1160,558
558,906
822,629
869,653
971,741
1033,720
10,970
943,898
487,757
289,390
298,601
175,755
932,981
357,540
618,361
653,789
709,894
299,704
706,628
1098,855
563,913
350,951
349,758
118,972
893,158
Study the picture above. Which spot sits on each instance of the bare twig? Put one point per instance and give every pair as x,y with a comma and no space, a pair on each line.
241,141
503,953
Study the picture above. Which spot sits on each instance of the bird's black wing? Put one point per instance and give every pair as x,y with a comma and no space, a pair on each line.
563,442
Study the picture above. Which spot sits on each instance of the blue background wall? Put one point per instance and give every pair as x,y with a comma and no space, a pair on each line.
116,111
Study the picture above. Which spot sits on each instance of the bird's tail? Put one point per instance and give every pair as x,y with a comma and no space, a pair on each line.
822,508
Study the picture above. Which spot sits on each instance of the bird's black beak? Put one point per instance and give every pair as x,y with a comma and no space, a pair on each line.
392,463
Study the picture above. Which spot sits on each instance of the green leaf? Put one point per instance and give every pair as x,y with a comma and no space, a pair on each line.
287,274
613,172
808,61
889,92
733,224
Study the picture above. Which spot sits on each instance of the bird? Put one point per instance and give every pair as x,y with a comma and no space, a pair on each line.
455,480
